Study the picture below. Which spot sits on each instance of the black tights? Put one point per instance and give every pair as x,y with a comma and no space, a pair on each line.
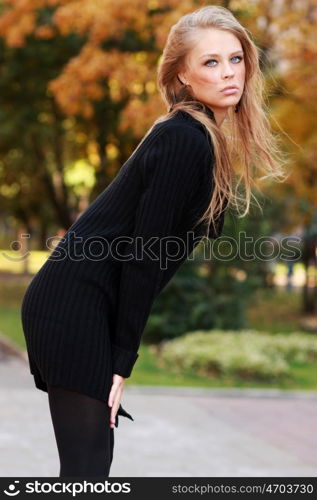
84,438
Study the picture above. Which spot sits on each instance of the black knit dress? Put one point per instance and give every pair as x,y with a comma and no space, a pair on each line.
84,312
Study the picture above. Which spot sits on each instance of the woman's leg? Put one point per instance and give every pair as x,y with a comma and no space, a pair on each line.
84,439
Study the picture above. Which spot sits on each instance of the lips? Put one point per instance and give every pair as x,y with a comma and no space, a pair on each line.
230,87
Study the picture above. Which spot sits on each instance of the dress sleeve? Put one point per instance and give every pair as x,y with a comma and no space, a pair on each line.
171,170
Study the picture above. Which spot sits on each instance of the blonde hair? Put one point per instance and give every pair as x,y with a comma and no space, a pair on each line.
249,140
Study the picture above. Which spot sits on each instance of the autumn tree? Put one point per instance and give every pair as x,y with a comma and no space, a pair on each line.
78,84
74,86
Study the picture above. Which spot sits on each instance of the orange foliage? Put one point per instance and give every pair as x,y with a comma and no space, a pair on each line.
44,32
285,29
126,73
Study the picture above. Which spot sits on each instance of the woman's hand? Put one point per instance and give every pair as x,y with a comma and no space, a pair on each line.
115,397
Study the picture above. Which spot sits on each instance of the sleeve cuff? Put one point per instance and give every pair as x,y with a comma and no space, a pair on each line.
123,361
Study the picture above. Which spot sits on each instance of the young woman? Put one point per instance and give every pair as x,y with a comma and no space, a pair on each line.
84,312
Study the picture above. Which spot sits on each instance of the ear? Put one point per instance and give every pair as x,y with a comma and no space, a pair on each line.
181,78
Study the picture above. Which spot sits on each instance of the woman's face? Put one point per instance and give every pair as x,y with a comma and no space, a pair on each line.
214,63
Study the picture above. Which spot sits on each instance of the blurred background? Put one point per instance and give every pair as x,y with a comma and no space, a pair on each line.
77,94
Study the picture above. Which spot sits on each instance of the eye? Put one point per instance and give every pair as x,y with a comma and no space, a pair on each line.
214,60
238,57
209,60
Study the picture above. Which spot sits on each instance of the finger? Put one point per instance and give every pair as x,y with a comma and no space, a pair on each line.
110,398
115,408
112,394
113,414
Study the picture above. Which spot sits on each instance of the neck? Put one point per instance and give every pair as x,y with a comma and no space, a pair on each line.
219,115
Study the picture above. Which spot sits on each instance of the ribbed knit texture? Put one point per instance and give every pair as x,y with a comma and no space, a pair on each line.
85,310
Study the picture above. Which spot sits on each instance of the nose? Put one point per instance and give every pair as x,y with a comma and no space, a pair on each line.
228,70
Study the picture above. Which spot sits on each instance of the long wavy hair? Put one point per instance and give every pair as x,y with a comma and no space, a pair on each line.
247,140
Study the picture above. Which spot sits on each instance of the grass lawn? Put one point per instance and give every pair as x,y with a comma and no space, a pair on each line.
269,310
147,372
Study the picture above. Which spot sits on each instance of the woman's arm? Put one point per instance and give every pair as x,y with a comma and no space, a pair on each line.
173,167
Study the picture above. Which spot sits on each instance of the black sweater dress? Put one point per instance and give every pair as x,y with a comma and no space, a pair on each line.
84,312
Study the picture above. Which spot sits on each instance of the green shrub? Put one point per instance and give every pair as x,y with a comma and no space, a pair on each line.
246,354
201,296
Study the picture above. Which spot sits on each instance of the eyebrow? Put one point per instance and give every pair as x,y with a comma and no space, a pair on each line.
217,55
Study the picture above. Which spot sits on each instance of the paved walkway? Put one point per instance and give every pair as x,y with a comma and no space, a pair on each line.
176,432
